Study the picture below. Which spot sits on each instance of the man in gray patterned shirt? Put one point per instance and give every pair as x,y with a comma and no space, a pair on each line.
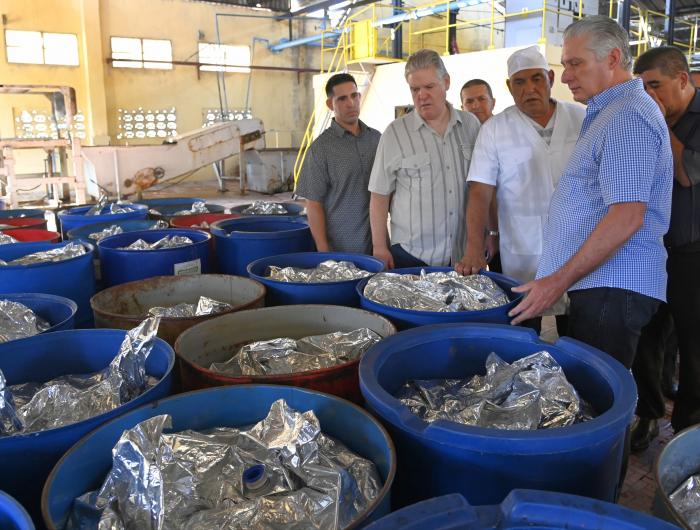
335,174
420,173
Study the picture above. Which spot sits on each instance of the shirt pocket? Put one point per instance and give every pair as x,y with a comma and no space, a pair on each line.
415,166
466,152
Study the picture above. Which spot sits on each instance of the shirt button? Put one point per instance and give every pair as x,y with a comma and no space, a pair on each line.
450,192
450,213
448,167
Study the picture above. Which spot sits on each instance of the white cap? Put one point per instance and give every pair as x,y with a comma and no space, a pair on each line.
525,59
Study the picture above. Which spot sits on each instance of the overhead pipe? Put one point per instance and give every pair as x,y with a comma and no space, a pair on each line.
284,44
392,20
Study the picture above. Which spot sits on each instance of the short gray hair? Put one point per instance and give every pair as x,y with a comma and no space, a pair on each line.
425,59
605,35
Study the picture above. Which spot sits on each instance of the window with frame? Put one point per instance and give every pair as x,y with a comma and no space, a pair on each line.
224,58
36,47
128,52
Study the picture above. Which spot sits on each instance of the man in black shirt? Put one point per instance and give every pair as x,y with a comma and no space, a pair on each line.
667,79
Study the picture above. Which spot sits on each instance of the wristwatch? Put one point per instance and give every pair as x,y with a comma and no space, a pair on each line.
493,233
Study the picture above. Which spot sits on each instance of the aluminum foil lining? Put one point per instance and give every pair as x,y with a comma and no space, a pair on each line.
204,306
109,231
18,321
71,250
6,239
531,393
327,271
266,208
102,207
283,473
289,356
160,225
72,398
686,500
165,242
435,291
197,207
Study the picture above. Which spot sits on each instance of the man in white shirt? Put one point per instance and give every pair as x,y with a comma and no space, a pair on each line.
420,173
520,155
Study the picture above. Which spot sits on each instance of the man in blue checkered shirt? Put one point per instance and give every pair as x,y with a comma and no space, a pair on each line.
603,241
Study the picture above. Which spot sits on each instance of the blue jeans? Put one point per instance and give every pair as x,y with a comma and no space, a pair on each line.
403,259
610,319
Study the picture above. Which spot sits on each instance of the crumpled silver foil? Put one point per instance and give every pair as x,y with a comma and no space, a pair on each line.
531,393
196,480
197,207
109,231
71,250
435,291
6,239
165,242
160,225
289,356
9,421
100,208
72,398
686,500
18,321
204,306
327,271
266,208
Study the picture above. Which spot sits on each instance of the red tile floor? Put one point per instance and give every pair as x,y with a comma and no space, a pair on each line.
639,486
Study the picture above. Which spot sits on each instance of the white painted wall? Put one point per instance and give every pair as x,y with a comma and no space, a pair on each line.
388,87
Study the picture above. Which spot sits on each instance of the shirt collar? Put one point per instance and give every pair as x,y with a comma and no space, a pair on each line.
340,132
618,91
695,102
455,117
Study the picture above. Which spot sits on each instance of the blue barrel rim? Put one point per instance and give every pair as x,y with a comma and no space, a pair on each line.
200,235
35,213
521,508
42,246
8,500
238,208
79,211
371,304
105,332
323,256
264,379
221,228
520,440
661,491
156,201
383,492
19,297
101,225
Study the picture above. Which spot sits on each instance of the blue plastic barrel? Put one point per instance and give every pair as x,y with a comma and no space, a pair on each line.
288,293
73,278
241,241
13,516
85,466
58,311
75,217
408,318
292,208
185,202
22,212
127,225
678,460
121,266
26,460
521,509
484,464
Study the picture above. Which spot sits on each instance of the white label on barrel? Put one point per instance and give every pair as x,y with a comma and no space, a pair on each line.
188,267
